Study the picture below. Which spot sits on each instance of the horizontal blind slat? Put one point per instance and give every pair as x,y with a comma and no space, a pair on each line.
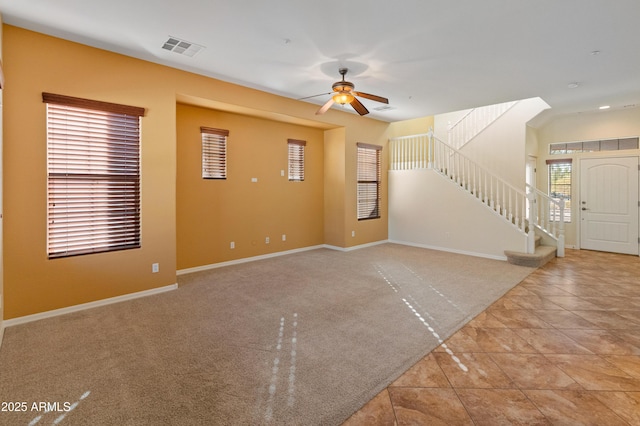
368,177
296,159
214,153
93,180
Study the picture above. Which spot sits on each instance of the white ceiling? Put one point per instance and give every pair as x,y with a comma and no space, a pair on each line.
426,56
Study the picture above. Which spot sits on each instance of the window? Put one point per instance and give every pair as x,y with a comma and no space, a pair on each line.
93,175
214,153
368,181
560,187
296,159
593,146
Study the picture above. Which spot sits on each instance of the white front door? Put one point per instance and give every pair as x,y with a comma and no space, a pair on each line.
609,204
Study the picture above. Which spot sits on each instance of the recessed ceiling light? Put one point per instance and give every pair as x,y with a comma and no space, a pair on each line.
605,107
573,85
595,52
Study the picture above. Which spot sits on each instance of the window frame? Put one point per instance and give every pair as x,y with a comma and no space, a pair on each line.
295,160
214,152
93,176
369,181
602,145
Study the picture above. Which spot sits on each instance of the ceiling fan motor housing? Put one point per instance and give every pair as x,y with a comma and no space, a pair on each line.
343,86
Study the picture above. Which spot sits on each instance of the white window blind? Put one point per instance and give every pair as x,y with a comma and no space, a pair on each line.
368,172
93,162
296,159
214,153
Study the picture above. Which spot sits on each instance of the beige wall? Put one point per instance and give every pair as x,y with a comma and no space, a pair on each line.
531,146
608,124
457,222
417,126
583,127
35,63
501,147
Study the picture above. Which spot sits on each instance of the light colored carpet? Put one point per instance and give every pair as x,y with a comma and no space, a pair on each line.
306,338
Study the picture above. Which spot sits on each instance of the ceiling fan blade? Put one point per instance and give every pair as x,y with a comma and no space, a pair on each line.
325,107
314,96
372,97
357,105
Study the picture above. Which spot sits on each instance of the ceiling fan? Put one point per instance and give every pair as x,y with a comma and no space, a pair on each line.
344,93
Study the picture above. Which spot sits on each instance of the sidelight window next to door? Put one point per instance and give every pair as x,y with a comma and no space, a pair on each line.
560,172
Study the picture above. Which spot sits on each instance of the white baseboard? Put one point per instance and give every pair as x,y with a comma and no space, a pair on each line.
97,303
245,260
270,255
346,249
450,250
83,306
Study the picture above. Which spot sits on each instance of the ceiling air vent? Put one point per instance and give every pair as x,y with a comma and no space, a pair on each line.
182,47
383,108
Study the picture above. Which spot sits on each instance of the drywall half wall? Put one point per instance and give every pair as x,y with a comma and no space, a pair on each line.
427,210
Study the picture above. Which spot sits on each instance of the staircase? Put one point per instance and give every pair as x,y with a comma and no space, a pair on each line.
537,217
546,217
541,255
427,151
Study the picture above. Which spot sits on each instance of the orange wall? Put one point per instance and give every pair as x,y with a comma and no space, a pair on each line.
334,183
35,63
1,209
212,213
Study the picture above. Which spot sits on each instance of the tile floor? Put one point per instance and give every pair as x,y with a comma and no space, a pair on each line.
560,348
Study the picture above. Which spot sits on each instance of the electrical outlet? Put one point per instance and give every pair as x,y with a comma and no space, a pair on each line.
266,240
284,237
254,179
232,245
155,267
353,233
281,172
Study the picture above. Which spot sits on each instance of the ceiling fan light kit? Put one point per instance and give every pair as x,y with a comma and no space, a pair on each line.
344,93
343,97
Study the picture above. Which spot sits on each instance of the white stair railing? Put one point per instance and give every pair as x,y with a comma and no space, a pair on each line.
494,192
474,122
498,195
410,152
548,215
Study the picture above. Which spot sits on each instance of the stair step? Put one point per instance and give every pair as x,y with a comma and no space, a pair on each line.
542,255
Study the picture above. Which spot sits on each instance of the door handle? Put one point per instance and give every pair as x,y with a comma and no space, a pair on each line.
584,208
